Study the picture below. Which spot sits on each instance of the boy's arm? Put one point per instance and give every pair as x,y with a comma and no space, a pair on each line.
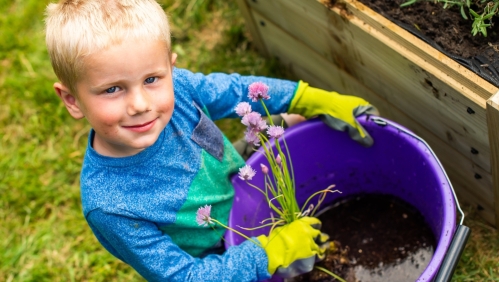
221,92
151,253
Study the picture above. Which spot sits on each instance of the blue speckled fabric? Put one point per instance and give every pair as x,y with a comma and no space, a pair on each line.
127,200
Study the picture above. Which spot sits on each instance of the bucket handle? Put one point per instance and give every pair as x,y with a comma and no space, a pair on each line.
460,237
453,254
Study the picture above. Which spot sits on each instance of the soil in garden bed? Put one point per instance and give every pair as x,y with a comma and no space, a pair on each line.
376,238
447,31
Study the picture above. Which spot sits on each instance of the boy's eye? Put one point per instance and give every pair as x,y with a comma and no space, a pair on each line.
112,89
150,80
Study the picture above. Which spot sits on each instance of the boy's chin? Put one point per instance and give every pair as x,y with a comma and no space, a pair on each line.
120,149
143,144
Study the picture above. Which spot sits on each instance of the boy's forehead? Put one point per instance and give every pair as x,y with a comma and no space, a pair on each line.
132,46
135,53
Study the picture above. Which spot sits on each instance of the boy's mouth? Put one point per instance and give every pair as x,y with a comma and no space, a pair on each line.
141,127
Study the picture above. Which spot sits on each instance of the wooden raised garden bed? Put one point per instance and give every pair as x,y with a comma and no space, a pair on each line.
351,49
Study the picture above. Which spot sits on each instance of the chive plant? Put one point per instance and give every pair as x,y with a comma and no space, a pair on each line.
279,187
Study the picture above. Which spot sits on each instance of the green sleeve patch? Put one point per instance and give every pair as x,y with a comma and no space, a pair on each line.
211,186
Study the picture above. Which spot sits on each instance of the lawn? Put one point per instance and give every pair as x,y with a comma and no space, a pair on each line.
44,235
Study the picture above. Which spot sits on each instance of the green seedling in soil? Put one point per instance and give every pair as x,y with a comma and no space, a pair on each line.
481,20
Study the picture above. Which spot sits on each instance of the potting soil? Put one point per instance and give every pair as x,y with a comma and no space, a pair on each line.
376,238
447,31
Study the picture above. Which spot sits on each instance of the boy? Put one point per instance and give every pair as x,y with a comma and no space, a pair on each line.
154,156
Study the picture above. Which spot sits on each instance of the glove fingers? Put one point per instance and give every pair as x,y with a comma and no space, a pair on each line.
293,249
366,141
314,229
312,221
366,109
322,238
359,134
320,257
323,244
309,225
305,265
297,267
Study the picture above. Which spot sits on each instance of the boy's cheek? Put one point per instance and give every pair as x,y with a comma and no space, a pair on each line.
104,117
102,114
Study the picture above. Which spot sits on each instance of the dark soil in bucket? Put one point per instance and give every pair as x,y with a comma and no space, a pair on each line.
447,29
376,238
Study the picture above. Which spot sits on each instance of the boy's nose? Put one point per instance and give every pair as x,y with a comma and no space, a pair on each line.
138,101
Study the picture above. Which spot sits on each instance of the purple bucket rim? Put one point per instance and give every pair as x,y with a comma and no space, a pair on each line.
448,202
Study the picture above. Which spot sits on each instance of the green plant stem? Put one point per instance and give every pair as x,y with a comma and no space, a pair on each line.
289,158
282,178
263,225
321,199
330,273
267,112
272,206
237,232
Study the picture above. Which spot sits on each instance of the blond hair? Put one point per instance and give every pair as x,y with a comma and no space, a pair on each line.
77,28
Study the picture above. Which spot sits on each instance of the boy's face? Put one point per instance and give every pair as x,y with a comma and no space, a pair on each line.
126,94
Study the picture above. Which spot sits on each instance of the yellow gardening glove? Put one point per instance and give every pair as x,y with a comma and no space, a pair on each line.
294,248
336,110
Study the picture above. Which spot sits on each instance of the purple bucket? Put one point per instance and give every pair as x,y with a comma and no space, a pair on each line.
399,164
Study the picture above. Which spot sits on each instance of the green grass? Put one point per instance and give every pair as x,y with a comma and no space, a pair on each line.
44,235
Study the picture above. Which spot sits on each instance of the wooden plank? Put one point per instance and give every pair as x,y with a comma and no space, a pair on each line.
251,25
493,124
408,81
466,198
318,71
271,9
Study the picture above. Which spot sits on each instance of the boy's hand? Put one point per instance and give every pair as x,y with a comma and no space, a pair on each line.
336,110
294,248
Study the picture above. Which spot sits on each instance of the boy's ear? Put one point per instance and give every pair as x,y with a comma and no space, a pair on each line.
174,58
69,100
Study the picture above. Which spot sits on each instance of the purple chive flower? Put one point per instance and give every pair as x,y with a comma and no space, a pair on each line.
254,121
243,109
278,159
251,119
246,173
275,131
251,136
264,168
203,216
261,125
258,90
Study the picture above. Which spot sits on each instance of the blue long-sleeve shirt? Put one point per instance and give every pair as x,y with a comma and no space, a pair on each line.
142,208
